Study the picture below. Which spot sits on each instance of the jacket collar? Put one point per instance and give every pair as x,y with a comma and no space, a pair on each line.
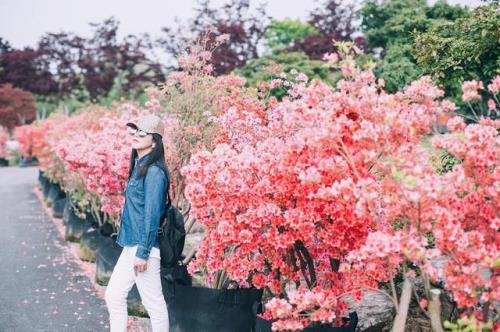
143,158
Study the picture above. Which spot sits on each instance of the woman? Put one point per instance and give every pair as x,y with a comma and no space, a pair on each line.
139,261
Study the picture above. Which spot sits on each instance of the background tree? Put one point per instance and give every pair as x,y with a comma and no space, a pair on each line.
333,20
95,64
282,34
16,106
244,27
465,49
388,28
60,53
67,71
22,69
282,66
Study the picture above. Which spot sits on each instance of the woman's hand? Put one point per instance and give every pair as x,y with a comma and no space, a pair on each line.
140,265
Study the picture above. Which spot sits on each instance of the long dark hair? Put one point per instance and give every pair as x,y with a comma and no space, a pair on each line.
157,155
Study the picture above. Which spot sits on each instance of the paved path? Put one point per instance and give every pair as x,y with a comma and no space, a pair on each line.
41,286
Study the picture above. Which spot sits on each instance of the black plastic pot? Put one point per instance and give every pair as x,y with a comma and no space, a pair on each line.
58,207
89,219
107,254
106,229
26,162
42,179
75,227
46,185
4,162
348,325
44,182
210,310
88,245
67,210
55,193
41,175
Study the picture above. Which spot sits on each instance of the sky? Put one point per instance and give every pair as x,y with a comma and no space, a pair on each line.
23,22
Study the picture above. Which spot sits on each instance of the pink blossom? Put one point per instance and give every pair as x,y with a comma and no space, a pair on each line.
470,90
456,123
331,57
494,86
275,83
206,55
301,77
491,105
222,38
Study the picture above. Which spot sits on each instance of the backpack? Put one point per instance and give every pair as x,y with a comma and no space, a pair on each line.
171,235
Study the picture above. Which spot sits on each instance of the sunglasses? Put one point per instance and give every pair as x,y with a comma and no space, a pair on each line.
138,132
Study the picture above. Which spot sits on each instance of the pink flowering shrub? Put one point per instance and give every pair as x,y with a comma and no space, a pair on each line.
90,152
30,140
99,152
193,100
467,231
458,208
286,199
4,137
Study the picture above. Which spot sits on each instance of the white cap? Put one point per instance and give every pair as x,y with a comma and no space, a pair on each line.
150,124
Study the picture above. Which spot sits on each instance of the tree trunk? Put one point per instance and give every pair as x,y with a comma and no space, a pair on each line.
404,304
435,311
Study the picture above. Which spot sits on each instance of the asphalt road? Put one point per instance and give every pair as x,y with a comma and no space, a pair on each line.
41,286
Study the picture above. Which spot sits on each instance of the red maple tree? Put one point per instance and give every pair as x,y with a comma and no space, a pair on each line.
16,106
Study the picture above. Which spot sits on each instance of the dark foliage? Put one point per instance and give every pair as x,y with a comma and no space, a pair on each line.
245,28
334,21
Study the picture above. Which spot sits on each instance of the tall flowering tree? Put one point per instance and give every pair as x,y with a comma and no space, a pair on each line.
190,99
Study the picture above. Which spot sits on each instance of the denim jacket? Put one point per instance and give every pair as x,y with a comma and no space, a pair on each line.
144,205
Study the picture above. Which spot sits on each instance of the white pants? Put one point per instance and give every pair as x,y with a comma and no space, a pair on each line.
148,284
